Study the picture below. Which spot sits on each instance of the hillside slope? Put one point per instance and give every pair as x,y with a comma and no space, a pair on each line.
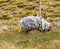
11,11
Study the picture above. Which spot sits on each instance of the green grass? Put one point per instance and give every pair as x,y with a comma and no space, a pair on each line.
33,39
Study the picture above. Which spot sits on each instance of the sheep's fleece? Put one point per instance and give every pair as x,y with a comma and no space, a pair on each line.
34,22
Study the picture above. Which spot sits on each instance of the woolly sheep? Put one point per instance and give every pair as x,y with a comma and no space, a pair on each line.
33,22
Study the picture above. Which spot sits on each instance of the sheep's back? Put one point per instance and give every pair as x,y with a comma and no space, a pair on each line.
27,21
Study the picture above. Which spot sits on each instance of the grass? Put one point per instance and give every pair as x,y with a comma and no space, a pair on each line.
33,39
10,15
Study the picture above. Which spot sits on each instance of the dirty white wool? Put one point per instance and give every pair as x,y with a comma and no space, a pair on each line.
33,22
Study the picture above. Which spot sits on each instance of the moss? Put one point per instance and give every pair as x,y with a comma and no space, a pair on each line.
9,23
7,17
2,1
11,6
17,29
18,3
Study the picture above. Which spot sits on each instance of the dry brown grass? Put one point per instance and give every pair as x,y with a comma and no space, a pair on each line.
13,10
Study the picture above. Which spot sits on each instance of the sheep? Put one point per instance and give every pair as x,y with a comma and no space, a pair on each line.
33,22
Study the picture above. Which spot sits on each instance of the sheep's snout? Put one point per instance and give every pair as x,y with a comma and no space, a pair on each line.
50,26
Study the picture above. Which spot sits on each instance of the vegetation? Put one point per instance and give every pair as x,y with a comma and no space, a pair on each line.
11,37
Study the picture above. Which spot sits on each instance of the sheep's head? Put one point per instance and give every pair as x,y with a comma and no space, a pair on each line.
46,26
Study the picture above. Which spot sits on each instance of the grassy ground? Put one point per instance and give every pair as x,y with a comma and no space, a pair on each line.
13,10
